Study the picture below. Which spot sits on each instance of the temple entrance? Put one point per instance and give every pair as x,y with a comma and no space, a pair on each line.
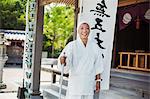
132,38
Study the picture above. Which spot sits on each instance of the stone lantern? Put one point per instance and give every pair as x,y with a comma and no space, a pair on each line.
3,59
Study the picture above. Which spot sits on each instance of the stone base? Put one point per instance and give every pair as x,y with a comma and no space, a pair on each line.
3,86
36,97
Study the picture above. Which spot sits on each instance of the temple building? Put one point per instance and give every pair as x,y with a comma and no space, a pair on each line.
15,46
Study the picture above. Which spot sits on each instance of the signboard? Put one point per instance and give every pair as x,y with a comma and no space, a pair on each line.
28,49
101,16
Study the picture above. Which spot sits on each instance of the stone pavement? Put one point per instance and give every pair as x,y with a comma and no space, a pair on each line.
13,76
8,95
10,77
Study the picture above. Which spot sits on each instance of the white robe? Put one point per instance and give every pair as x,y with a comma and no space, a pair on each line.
82,63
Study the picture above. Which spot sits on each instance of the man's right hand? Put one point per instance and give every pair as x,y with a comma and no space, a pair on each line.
63,60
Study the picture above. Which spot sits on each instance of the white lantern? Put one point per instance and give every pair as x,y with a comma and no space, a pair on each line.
127,18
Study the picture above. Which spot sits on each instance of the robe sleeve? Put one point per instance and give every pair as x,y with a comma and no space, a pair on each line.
99,65
68,53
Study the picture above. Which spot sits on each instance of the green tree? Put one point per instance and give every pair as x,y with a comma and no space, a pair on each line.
12,14
58,27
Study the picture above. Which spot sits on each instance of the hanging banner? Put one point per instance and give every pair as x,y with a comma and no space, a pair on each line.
101,16
128,14
28,48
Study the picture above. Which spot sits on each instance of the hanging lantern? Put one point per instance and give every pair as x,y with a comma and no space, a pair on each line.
127,18
147,14
138,23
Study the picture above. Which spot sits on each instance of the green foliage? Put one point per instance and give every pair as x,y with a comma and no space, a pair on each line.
58,23
12,14
58,26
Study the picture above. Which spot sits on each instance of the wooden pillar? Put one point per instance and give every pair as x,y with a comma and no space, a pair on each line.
120,59
115,51
37,51
53,77
76,19
128,61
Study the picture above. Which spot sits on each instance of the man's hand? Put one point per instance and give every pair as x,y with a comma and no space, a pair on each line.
98,83
63,60
97,87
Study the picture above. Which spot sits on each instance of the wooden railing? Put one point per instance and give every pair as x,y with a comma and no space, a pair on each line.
54,73
135,61
50,64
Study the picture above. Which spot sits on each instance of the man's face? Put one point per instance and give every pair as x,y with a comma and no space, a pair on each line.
84,31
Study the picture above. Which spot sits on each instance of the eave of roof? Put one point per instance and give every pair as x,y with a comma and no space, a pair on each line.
67,2
72,2
13,34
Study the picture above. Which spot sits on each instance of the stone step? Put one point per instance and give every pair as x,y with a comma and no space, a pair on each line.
123,85
51,94
119,93
131,80
136,86
56,87
113,93
131,75
65,82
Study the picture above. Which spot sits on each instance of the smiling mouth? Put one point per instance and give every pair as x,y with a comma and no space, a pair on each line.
84,34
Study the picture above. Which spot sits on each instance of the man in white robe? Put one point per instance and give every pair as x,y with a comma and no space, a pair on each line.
83,60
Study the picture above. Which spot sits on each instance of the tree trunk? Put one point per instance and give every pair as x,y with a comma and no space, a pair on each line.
53,48
52,55
0,22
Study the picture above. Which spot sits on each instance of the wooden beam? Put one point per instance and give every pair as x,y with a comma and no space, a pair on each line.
129,2
134,68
